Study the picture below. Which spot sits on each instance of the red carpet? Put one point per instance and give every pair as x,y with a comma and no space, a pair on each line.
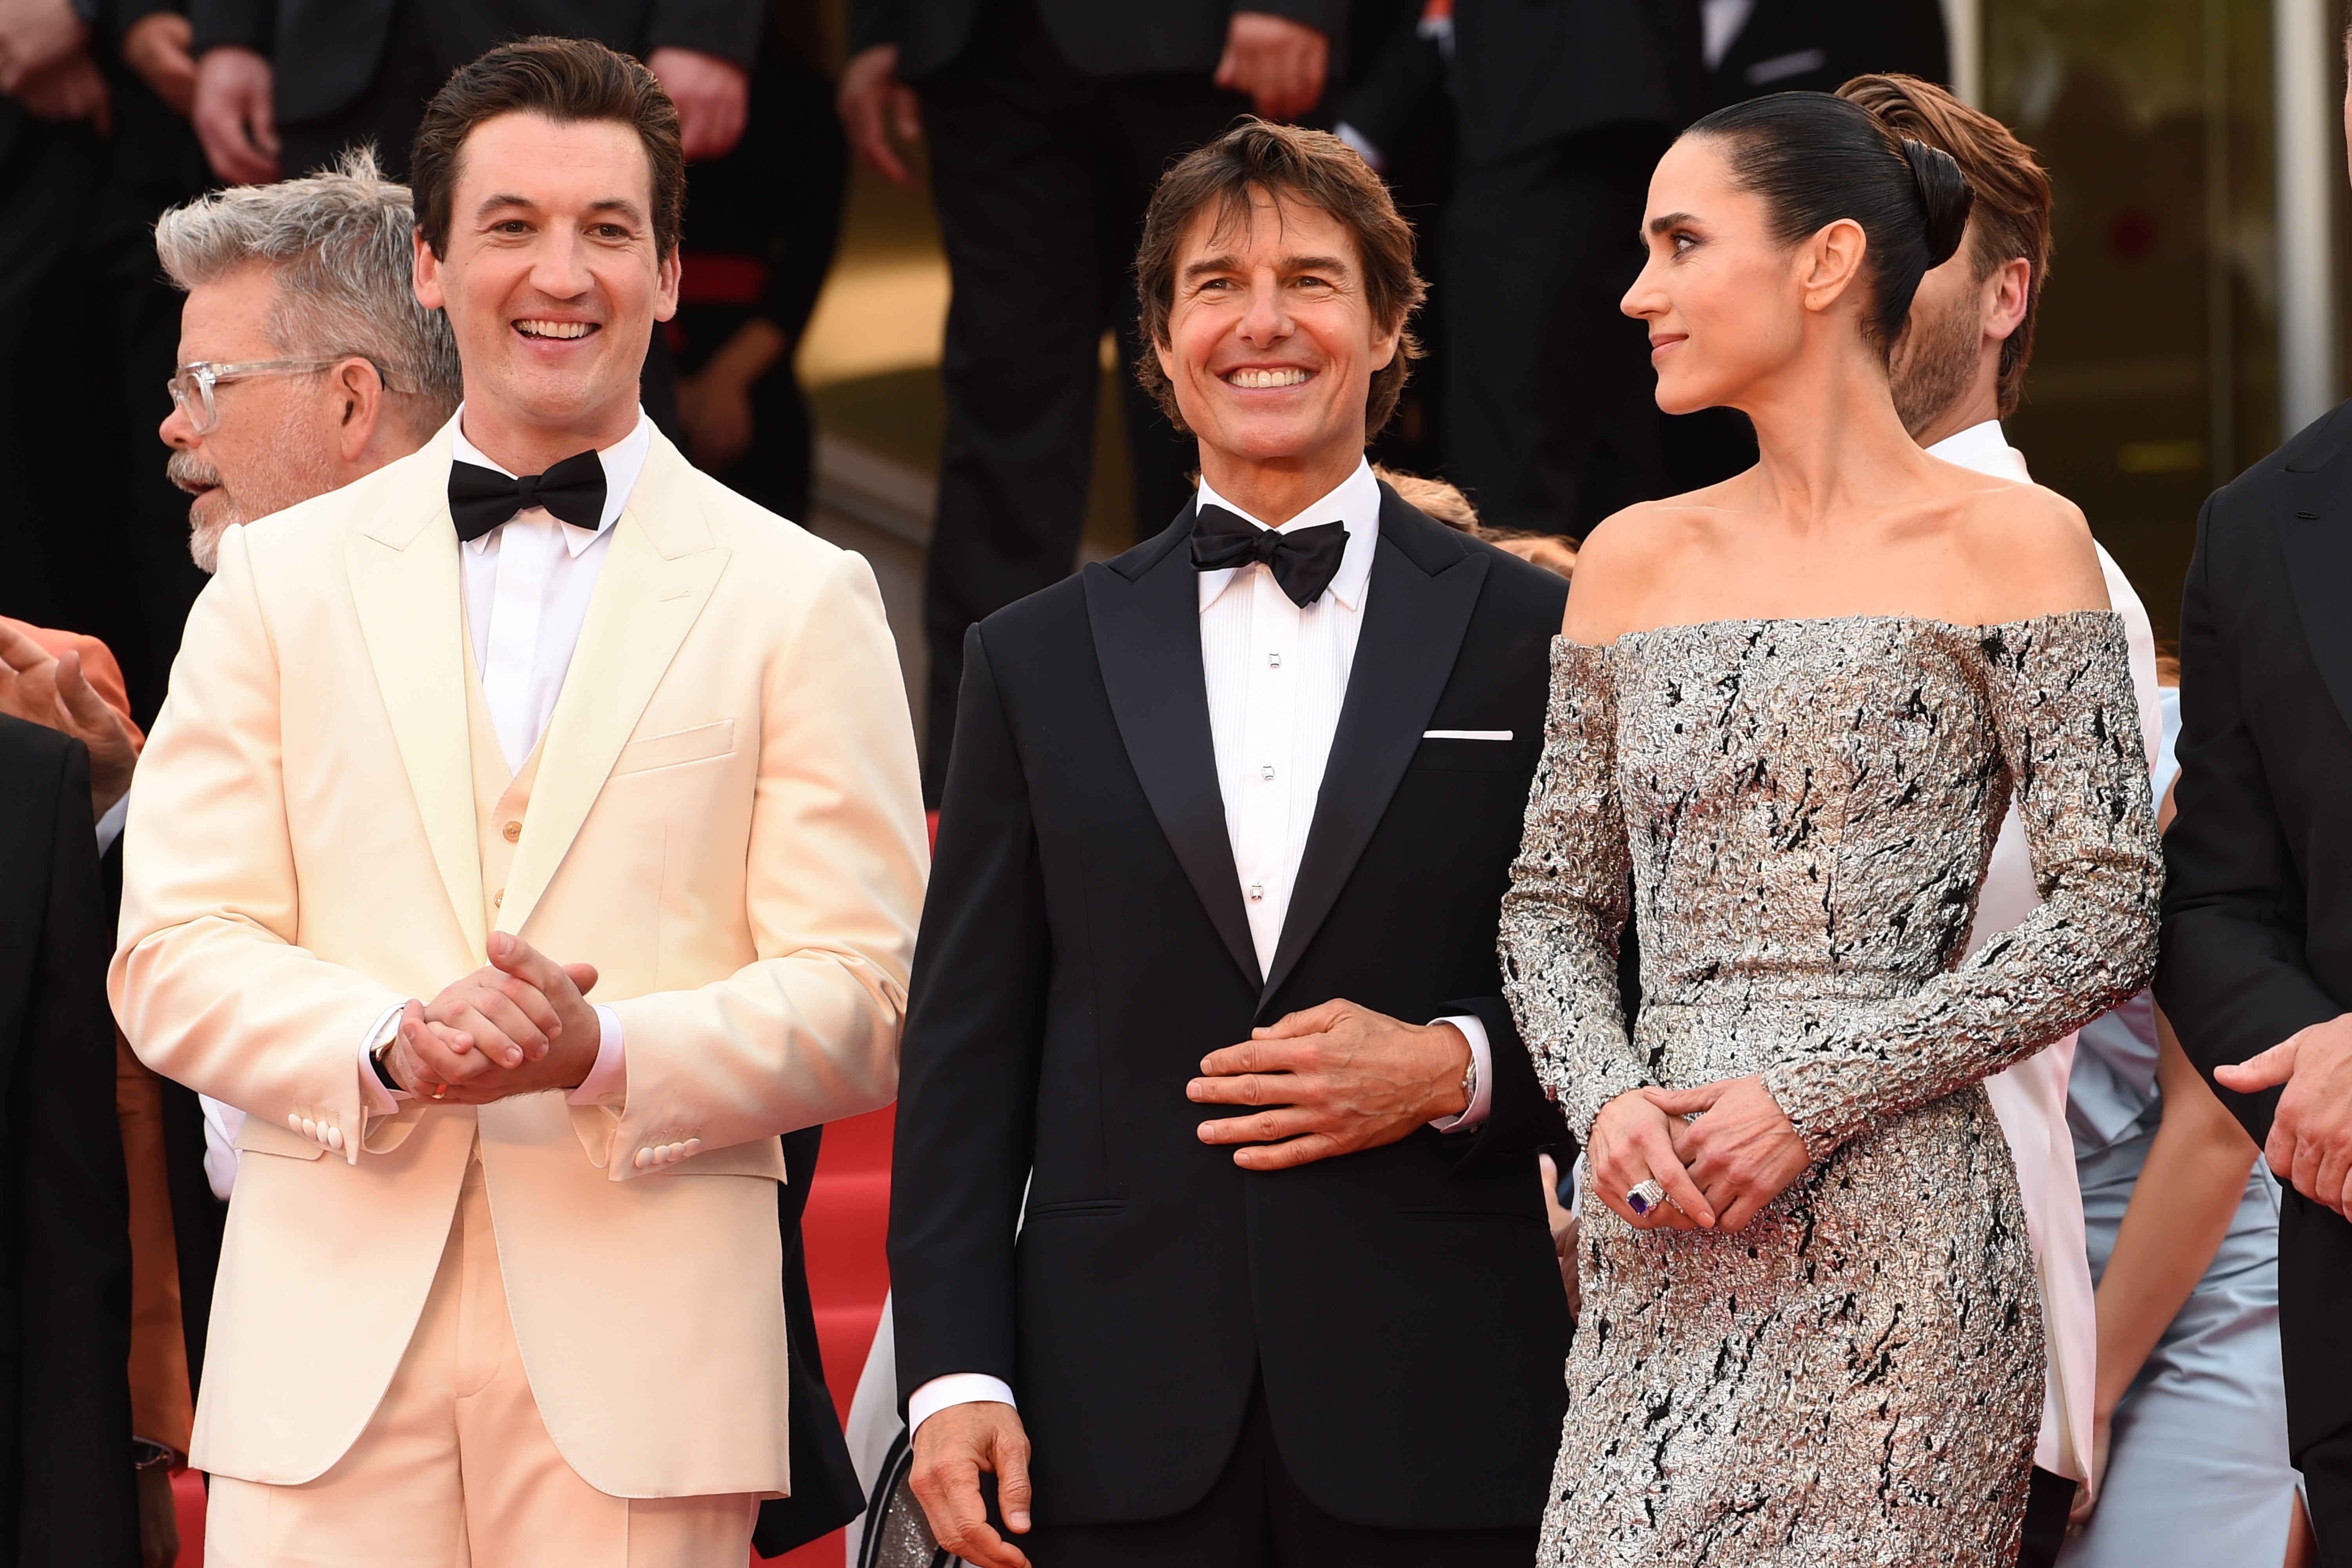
849,1209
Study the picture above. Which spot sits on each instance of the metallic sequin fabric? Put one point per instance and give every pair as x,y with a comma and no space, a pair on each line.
1805,809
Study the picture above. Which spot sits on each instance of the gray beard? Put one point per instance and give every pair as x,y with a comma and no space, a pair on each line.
1935,366
300,471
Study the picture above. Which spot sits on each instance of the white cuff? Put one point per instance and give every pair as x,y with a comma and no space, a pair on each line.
956,1388
607,1083
375,1098
1482,1094
109,826
222,1124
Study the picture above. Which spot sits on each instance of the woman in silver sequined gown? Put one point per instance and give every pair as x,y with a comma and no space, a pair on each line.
1795,812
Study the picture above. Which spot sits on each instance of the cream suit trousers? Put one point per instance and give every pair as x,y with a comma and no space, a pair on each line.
456,1468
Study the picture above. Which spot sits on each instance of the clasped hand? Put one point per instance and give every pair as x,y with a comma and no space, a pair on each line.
1719,1170
520,1024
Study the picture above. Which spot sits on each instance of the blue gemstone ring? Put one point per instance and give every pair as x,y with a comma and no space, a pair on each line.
1645,1197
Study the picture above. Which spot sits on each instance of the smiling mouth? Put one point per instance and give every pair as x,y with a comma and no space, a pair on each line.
558,332
1253,379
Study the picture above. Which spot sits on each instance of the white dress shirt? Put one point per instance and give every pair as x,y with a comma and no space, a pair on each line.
2029,1099
527,585
1277,677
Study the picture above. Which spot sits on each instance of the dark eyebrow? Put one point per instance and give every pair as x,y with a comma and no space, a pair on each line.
1231,263
1209,264
609,205
1671,221
1314,264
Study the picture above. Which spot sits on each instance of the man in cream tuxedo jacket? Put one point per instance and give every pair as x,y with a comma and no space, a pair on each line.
501,1281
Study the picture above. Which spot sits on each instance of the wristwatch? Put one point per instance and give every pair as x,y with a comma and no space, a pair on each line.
384,1073
146,1454
1469,1085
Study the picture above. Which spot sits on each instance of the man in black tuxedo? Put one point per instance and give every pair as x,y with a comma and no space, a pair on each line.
285,86
67,1496
1049,122
1812,46
2256,975
1227,826
1563,110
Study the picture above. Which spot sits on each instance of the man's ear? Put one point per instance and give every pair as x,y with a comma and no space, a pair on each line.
666,278
426,279
359,406
2006,290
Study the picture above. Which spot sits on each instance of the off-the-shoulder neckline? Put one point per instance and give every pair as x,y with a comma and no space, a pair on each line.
1928,621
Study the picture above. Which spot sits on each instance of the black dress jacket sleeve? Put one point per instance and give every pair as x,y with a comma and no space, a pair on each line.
65,1280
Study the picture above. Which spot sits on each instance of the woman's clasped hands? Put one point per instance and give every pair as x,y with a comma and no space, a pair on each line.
1720,1152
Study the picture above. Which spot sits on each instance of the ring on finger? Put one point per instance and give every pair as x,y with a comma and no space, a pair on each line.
1644,1197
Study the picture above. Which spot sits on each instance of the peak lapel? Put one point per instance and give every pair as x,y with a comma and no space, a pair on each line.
404,577
2315,534
1414,619
1147,634
660,572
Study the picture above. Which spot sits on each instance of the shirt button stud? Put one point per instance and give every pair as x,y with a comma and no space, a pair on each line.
1273,661
511,831
1256,891
498,899
1265,771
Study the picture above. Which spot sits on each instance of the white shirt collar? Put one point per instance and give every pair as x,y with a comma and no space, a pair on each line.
623,460
1985,447
1355,505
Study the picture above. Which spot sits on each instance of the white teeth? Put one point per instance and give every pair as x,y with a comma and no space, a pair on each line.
1254,378
555,329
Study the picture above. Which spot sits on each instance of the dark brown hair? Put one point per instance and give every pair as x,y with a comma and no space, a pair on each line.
567,81
1311,168
2013,204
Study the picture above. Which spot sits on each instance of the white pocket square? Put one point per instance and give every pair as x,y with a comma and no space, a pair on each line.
1466,734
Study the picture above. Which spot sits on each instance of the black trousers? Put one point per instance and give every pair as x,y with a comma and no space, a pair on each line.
1256,1517
2314,1273
1551,421
1041,176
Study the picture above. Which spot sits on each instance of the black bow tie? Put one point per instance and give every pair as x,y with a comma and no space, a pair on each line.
1304,560
481,499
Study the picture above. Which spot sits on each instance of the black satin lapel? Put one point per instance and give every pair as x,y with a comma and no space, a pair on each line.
2314,526
1414,625
1147,641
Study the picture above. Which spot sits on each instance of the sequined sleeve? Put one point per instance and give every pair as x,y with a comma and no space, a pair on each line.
1569,898
2059,688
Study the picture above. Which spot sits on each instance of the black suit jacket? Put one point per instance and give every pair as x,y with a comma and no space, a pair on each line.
326,52
67,1493
1084,945
1132,38
2258,898
1817,46
1533,72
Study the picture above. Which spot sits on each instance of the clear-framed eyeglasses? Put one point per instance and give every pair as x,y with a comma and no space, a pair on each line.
191,385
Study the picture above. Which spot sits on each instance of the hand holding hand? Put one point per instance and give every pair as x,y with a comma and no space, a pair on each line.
2086,1498
235,116
1742,1152
1280,63
1632,1141
713,95
951,1449
1334,1079
520,1024
874,105
2310,1146
51,691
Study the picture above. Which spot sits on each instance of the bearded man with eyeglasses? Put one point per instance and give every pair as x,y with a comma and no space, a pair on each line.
305,359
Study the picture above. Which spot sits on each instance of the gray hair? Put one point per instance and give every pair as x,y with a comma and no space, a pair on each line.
342,246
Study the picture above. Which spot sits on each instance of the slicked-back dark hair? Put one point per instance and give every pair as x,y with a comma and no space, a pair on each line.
567,80
1814,158
1310,168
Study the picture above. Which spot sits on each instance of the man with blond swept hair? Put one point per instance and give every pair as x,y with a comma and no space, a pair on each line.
305,359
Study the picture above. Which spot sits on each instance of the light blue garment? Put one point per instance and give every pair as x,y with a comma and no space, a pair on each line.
2197,1464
